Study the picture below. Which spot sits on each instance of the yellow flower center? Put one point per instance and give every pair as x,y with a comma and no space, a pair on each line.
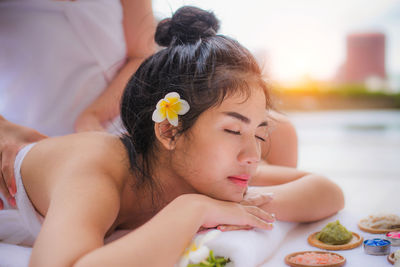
191,248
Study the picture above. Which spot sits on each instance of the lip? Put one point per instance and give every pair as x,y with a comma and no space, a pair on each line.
241,180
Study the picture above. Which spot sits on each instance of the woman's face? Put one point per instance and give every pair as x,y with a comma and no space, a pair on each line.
221,152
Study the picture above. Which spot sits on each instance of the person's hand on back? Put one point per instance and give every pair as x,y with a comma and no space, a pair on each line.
12,138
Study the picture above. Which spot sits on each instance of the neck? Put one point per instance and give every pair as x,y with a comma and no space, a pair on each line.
166,186
170,184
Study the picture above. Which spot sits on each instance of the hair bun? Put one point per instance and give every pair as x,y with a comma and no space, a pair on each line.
187,25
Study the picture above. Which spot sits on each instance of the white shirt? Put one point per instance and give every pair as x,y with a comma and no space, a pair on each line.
56,57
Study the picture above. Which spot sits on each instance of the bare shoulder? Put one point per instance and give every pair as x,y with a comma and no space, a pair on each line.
93,149
84,159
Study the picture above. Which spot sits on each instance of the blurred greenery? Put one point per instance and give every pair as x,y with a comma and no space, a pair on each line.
340,96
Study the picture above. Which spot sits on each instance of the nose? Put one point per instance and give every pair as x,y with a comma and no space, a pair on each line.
250,153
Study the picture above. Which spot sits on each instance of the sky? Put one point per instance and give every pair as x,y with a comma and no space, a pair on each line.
301,38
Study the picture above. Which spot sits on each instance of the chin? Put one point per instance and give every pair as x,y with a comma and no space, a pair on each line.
239,198
230,193
234,197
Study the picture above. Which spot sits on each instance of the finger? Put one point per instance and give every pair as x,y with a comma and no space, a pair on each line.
257,200
258,223
3,188
226,227
260,213
7,165
6,194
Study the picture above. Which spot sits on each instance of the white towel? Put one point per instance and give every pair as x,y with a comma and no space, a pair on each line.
247,248
250,248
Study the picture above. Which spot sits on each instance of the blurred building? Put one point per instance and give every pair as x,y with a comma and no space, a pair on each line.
365,58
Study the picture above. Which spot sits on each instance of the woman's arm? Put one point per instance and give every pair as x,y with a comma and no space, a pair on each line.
161,241
139,27
298,196
275,175
281,145
74,229
83,206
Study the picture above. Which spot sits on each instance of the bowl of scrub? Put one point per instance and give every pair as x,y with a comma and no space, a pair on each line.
334,236
394,256
315,258
380,223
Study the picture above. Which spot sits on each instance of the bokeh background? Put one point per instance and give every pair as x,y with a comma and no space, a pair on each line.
334,67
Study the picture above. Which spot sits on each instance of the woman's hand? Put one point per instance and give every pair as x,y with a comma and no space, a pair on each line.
229,214
256,197
253,197
12,138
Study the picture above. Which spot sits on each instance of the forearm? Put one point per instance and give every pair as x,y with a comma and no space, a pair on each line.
106,106
268,175
281,146
159,242
139,26
307,199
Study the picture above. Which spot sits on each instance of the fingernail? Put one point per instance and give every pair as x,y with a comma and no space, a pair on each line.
13,187
12,202
270,225
271,194
221,228
12,191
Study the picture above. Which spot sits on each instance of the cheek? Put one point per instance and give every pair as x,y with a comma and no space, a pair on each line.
217,152
207,160
205,168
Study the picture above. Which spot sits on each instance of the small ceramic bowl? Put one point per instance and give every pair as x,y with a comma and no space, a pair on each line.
377,246
394,238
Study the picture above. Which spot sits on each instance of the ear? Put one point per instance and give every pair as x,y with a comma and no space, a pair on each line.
166,134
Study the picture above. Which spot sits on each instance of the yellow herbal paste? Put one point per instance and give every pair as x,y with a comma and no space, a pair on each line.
334,234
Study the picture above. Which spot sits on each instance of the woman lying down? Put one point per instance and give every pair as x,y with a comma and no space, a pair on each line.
195,115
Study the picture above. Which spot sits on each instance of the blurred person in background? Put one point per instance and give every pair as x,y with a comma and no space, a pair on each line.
77,53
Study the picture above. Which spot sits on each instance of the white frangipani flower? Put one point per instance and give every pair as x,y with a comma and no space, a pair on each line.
197,251
169,108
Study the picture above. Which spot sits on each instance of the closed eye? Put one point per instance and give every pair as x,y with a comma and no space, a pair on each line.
238,133
260,138
232,132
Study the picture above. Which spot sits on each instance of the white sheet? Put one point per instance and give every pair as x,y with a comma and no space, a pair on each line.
13,255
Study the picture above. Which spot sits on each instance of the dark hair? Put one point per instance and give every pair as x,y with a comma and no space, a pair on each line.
202,67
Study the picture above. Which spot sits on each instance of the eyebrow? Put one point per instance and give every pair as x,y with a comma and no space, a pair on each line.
243,118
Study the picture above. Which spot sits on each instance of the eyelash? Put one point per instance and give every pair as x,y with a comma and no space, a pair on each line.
238,133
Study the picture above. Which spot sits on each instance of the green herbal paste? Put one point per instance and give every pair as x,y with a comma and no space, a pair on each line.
334,234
